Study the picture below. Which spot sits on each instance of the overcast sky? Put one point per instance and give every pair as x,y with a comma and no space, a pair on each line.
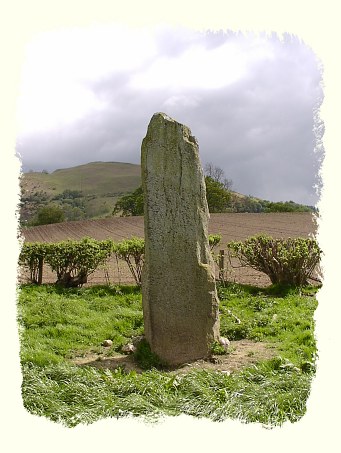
88,95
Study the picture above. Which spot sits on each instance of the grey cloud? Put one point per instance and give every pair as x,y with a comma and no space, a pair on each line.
259,129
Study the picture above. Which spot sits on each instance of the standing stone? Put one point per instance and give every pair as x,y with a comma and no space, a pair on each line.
180,303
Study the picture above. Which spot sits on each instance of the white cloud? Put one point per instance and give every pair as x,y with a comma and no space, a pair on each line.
47,107
60,66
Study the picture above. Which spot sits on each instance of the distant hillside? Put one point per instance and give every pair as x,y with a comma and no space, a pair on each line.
90,191
93,188
100,178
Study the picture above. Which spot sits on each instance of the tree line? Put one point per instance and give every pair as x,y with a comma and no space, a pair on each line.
220,199
219,195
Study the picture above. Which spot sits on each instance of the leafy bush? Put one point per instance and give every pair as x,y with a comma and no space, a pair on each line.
74,261
214,240
32,257
51,213
289,261
132,252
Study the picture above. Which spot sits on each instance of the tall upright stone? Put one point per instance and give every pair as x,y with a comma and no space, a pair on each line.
180,303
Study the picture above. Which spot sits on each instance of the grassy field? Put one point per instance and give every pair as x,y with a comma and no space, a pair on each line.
59,327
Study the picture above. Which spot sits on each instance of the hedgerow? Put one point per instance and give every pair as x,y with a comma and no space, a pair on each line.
74,261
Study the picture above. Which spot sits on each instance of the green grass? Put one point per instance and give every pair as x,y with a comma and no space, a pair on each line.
261,394
59,323
279,315
56,325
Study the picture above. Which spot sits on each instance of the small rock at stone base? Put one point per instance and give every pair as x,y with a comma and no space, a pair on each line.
224,342
107,343
128,348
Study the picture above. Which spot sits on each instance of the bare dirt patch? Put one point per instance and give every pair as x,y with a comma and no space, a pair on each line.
240,354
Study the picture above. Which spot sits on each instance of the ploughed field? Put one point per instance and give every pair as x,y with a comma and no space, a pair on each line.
231,226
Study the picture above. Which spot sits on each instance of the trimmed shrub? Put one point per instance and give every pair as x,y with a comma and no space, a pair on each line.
32,257
289,261
132,252
74,261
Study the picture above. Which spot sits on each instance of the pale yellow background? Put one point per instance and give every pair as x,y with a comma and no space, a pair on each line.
317,23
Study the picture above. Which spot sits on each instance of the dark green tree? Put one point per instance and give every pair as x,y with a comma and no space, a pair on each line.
131,204
69,194
217,174
218,197
286,206
49,214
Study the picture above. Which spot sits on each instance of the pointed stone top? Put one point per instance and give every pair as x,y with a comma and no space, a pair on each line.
160,118
164,116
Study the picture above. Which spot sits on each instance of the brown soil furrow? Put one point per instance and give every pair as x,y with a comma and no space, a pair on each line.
230,226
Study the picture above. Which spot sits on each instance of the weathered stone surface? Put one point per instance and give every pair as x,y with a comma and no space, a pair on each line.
180,303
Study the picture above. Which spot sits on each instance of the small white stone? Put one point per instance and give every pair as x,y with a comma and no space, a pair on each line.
224,342
107,343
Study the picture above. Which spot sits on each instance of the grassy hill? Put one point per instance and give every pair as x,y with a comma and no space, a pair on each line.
100,178
97,184
90,191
